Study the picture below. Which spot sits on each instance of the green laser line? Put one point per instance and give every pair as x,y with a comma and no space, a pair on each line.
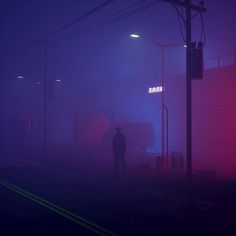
90,225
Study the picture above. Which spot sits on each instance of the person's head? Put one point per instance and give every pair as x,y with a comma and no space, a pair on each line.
118,130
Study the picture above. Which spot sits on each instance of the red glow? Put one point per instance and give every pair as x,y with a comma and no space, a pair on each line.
214,126
95,129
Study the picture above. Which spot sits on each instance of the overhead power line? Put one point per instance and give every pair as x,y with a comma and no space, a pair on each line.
119,12
120,15
131,10
76,20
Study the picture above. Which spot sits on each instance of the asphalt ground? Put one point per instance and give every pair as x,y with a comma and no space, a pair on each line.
71,198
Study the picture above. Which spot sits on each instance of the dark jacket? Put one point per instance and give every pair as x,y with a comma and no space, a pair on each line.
119,143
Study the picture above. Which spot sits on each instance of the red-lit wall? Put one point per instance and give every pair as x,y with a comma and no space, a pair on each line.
213,119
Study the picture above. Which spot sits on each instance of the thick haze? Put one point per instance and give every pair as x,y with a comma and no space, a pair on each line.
104,73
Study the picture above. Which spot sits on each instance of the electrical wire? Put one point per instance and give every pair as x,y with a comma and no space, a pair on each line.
180,16
76,20
117,13
131,10
127,14
203,32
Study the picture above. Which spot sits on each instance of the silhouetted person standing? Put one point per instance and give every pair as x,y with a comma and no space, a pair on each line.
119,149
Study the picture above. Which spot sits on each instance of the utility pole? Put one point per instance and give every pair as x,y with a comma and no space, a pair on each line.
45,101
163,104
187,4
44,40
188,90
44,46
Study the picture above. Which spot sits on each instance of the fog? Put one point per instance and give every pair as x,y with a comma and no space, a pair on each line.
98,78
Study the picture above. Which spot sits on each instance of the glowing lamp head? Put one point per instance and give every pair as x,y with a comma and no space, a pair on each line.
134,36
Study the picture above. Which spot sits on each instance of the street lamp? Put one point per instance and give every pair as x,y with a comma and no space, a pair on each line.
163,106
20,77
134,36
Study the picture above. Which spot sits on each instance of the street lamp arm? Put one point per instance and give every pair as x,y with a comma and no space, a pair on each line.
154,42
173,45
161,45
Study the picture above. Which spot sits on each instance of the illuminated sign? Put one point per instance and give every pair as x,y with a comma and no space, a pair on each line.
157,89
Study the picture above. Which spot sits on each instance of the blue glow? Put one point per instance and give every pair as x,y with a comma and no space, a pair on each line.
152,150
